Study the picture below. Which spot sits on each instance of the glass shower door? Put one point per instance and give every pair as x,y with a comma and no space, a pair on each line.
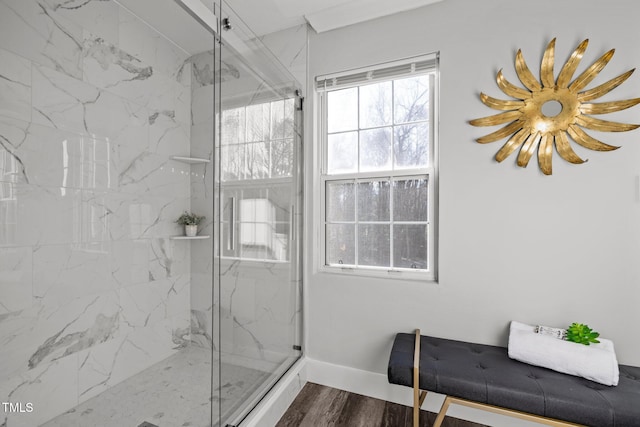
258,195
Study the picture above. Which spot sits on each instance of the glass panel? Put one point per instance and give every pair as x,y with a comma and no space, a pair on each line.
257,305
233,125
341,248
258,122
278,122
410,246
410,200
373,201
343,110
373,245
411,99
281,158
340,202
257,160
375,149
411,146
375,105
343,152
233,162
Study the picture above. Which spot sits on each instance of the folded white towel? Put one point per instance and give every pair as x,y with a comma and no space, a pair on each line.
596,362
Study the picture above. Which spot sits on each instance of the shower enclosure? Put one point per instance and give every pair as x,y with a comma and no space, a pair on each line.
115,118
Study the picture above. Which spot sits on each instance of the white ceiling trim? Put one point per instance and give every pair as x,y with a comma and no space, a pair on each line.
352,12
356,11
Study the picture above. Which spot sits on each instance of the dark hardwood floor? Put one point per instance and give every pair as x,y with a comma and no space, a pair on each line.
318,406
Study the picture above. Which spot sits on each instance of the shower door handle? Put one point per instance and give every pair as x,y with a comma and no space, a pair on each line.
231,244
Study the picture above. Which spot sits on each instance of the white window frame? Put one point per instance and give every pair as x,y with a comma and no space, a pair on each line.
354,78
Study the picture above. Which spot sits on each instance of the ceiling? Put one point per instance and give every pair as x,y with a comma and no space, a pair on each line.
265,16
268,16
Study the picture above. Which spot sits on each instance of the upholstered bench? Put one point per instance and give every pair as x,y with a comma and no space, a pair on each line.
484,377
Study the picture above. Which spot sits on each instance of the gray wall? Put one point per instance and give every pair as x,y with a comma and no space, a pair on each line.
514,244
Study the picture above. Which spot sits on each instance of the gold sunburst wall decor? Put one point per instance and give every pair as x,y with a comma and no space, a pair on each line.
533,123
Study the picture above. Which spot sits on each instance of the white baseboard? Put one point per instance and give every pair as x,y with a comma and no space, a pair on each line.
376,385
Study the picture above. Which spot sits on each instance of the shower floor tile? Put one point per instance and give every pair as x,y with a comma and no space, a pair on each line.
172,393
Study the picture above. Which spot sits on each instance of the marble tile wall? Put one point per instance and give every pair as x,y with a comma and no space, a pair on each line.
92,289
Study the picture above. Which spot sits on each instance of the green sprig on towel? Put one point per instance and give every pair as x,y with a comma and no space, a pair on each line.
582,334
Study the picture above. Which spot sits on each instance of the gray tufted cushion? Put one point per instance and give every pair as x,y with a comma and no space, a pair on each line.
485,374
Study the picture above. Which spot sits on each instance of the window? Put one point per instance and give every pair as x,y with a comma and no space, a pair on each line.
257,183
379,171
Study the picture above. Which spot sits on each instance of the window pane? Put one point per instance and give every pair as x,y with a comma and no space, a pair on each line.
410,246
233,126
375,149
281,158
341,244
375,105
258,119
341,202
278,122
342,110
411,99
373,245
411,146
257,160
343,152
410,200
373,201
232,162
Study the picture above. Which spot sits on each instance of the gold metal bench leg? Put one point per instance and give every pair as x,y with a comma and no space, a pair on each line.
443,412
416,381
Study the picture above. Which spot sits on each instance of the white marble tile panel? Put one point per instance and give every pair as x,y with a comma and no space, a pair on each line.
75,326
36,336
15,86
168,258
98,16
130,261
51,388
106,365
202,105
201,291
167,135
67,103
154,174
95,368
45,37
110,68
62,273
136,38
143,42
16,283
16,342
183,96
129,216
170,60
149,303
13,133
40,155
201,328
35,215
202,67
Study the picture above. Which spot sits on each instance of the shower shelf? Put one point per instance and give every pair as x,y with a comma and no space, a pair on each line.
189,238
190,160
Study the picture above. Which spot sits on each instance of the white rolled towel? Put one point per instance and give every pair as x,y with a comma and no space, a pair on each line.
596,362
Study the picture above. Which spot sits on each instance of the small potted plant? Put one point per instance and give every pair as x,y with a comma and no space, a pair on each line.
190,222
